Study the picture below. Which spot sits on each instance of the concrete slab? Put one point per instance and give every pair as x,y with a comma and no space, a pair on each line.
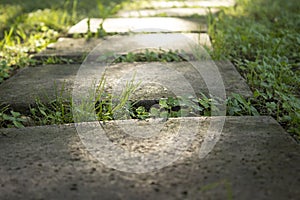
167,12
157,80
137,25
70,47
254,159
181,4
43,82
185,79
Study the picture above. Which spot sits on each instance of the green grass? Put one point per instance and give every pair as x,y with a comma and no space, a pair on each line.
151,56
102,106
262,38
27,27
9,118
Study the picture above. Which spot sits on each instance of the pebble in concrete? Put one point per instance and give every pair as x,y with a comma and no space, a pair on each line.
45,81
254,159
167,12
150,24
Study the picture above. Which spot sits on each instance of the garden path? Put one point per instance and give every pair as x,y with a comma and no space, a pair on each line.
215,157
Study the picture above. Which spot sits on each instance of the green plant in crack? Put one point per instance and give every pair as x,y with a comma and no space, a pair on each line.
9,118
115,107
89,33
103,106
183,107
106,9
139,113
57,60
169,107
151,56
55,111
237,105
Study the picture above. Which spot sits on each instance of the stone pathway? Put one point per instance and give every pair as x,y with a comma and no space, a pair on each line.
247,158
136,25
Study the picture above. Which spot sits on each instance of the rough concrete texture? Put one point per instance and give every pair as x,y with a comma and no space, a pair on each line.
159,80
150,24
68,47
187,3
254,159
43,82
167,12
46,81
187,43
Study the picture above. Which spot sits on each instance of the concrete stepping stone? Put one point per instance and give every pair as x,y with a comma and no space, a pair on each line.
138,25
45,81
253,159
186,3
71,47
183,79
167,12
42,82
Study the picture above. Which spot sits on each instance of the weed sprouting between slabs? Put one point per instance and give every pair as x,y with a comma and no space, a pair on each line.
105,107
147,55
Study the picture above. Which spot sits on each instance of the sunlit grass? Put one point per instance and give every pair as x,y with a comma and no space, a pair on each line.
262,38
27,27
